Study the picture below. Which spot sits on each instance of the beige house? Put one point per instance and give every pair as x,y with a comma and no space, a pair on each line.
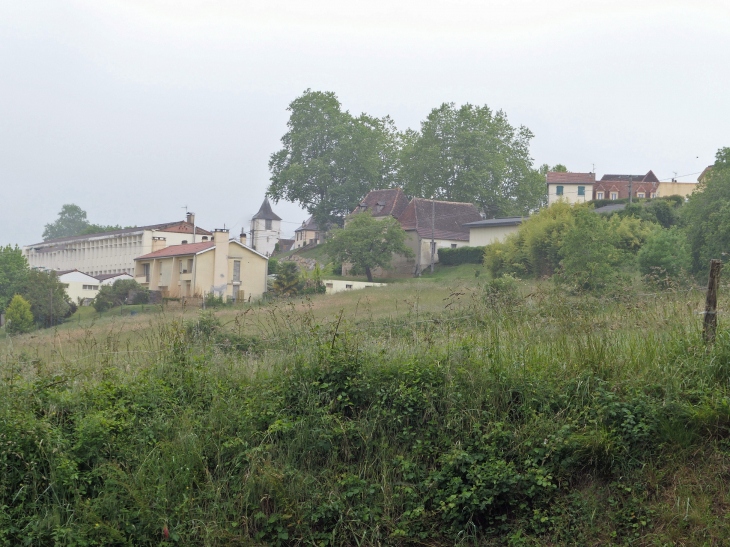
110,252
570,187
307,234
492,230
79,286
222,267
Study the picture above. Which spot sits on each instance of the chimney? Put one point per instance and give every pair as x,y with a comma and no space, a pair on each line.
158,243
190,218
220,265
243,238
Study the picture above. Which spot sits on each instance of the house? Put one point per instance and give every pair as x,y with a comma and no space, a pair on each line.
620,186
220,266
383,203
110,252
286,244
265,229
570,187
109,279
79,286
492,230
307,234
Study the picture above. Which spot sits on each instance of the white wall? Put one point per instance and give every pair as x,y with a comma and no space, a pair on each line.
335,285
570,193
479,236
75,283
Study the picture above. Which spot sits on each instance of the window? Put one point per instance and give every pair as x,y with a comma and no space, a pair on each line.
236,270
581,190
328,285
91,287
190,265
453,245
181,268
348,286
614,195
640,194
268,223
184,242
599,195
559,190
653,194
205,238
433,247
146,272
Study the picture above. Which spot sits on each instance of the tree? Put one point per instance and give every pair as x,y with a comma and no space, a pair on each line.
331,159
288,282
367,243
13,271
47,297
474,155
71,220
707,215
664,256
18,315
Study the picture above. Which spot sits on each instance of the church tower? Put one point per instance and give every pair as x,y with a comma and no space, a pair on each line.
265,229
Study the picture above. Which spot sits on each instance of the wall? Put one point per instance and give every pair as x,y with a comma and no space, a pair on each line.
75,282
254,269
265,240
570,193
484,235
336,285
676,188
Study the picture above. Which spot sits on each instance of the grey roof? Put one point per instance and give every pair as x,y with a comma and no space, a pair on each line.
265,212
610,208
508,221
308,225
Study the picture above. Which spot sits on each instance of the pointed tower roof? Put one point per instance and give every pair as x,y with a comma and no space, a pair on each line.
265,212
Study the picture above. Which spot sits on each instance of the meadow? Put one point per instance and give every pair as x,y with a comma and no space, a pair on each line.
449,410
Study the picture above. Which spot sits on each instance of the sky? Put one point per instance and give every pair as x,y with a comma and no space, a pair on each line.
134,110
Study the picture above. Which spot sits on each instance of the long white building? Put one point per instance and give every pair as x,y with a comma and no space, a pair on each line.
111,252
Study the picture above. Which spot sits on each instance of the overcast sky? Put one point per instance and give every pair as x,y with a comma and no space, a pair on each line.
135,109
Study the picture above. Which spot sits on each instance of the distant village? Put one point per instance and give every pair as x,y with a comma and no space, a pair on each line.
181,259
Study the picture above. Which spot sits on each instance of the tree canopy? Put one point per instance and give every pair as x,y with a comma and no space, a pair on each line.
472,154
72,221
367,243
13,271
331,159
19,316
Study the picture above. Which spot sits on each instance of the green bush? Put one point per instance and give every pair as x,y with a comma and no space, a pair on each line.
665,257
18,315
461,255
118,293
273,264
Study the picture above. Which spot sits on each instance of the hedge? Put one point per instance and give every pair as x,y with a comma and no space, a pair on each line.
461,255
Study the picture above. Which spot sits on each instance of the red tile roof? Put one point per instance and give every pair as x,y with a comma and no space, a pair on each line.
447,222
554,177
179,250
381,203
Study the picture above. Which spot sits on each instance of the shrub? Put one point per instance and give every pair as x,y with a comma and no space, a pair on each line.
287,281
502,291
273,264
461,255
18,315
116,294
665,256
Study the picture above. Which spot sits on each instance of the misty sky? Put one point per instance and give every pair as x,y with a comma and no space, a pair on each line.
134,109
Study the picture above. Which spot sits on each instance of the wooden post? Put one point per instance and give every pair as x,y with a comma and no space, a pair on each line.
710,323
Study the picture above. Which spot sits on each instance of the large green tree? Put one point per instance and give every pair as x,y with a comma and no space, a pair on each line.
330,159
707,215
367,243
19,316
473,154
71,220
13,272
47,297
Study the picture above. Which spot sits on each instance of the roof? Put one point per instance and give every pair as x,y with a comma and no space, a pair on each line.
104,277
309,225
649,177
554,177
610,208
381,203
265,212
705,172
176,227
493,222
447,222
179,250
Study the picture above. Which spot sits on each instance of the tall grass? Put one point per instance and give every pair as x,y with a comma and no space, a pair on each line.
540,419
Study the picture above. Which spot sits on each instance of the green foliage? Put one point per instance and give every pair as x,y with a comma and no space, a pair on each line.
47,297
19,316
118,293
461,255
474,155
288,279
707,215
330,159
665,257
13,271
502,292
273,263
367,243
70,222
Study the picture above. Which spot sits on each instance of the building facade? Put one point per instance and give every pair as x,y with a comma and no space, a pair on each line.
265,229
307,234
621,186
110,252
79,286
492,230
570,187
223,267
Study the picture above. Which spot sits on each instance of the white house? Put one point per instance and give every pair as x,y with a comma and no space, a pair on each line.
570,187
491,230
79,285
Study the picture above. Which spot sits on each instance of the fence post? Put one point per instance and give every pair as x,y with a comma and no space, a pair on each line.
710,323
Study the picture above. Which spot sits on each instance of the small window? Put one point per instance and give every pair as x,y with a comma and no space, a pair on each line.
205,238
559,190
453,245
599,195
236,270
348,286
653,194
640,195
614,195
581,190
268,223
328,285
184,242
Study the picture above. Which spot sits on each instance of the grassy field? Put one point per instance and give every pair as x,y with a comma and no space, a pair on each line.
439,411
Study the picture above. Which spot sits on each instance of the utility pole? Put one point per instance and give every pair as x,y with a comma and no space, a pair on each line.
631,187
51,307
433,224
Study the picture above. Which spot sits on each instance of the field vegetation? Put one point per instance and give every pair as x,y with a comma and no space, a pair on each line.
452,410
